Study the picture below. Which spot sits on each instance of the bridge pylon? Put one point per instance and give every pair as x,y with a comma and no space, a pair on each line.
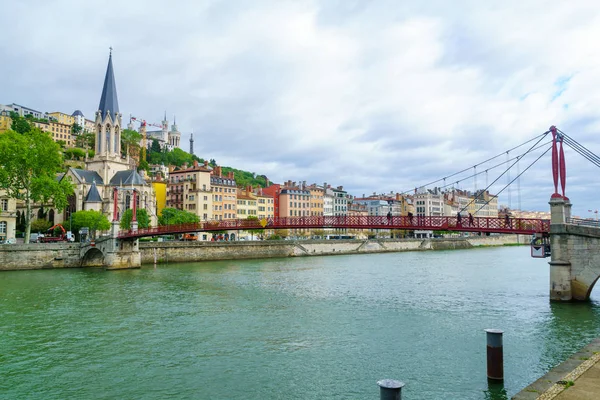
575,259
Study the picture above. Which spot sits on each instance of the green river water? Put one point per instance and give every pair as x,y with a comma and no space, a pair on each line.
293,328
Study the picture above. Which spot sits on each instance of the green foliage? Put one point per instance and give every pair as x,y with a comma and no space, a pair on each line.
173,216
143,219
29,164
40,225
62,143
94,220
143,165
57,231
176,157
86,140
76,129
155,146
91,153
274,237
129,139
20,124
245,178
74,154
253,231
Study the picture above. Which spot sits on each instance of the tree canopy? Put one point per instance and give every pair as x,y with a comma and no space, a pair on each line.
143,219
29,164
173,216
94,220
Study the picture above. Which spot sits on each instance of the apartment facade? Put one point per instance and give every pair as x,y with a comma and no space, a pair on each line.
247,203
189,189
265,206
224,194
8,217
294,202
340,201
62,118
317,197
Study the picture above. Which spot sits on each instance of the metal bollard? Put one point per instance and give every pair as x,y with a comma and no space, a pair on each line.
390,389
495,357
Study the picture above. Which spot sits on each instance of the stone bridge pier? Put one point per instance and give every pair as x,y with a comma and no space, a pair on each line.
575,254
111,253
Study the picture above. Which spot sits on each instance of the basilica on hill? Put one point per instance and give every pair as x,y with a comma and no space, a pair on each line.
95,185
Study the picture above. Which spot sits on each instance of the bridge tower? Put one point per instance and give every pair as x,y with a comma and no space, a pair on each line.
575,259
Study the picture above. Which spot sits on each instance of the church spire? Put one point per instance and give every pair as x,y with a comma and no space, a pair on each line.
109,104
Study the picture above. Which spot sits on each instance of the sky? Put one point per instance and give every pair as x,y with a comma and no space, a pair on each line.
376,96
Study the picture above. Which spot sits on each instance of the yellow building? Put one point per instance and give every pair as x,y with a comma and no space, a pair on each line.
317,194
57,131
62,118
224,194
247,203
5,122
265,206
160,190
8,217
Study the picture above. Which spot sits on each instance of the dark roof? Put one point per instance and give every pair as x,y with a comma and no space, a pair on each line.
129,177
93,196
88,176
108,101
77,113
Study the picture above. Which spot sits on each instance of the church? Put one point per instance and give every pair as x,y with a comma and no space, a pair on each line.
108,169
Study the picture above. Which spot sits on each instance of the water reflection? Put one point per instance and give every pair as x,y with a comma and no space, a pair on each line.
495,391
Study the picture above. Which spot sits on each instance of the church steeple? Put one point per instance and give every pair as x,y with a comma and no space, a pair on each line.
109,104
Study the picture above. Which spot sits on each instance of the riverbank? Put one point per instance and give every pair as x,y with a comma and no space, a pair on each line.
67,255
578,378
218,251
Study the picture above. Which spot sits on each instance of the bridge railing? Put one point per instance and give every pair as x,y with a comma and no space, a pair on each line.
465,224
583,222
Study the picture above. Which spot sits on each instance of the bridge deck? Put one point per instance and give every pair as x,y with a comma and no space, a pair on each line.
478,224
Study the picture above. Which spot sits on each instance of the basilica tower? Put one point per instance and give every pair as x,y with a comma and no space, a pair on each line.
174,135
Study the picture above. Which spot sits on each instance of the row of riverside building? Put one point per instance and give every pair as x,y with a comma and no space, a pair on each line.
201,189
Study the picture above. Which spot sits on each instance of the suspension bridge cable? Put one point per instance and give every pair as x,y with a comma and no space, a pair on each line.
579,148
502,174
483,162
517,177
493,167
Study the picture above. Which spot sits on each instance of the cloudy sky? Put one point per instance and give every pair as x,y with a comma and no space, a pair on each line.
376,96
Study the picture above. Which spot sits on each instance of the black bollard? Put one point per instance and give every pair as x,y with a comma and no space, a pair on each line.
495,357
390,389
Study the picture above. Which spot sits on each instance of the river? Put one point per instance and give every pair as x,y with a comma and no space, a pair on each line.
293,328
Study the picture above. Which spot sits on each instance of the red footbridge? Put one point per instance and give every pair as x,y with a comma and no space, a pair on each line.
526,226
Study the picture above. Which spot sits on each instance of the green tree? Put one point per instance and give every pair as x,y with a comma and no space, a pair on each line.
86,141
61,143
253,232
173,216
129,140
19,124
40,225
155,146
76,129
143,219
29,164
94,220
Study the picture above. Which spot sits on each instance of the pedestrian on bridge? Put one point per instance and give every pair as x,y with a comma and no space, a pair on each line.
470,219
458,219
389,217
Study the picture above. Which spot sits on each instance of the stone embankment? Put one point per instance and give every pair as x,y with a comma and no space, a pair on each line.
67,255
212,251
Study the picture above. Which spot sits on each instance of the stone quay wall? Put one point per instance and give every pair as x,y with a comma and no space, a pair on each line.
67,255
212,251
39,256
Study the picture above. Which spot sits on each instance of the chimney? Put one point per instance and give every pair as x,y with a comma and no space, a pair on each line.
230,175
249,189
303,185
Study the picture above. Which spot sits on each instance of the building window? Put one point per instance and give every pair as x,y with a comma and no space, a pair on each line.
3,228
4,205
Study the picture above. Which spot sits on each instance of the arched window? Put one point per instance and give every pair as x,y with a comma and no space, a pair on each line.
51,217
107,138
127,202
41,214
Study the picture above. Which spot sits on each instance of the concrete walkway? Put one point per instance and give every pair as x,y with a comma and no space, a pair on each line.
578,378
